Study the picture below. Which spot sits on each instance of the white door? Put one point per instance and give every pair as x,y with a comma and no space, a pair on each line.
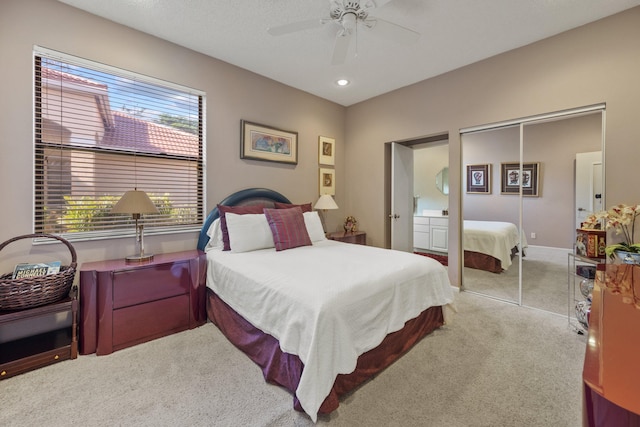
589,191
401,197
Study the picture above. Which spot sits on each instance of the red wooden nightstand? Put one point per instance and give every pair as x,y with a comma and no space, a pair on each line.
357,237
125,304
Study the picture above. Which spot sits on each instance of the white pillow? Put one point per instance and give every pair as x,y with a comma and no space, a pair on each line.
314,226
248,232
215,235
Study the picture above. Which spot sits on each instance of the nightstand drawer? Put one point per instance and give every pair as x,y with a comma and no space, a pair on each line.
155,282
132,325
30,363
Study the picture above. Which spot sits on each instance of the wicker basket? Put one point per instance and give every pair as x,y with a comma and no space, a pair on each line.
16,294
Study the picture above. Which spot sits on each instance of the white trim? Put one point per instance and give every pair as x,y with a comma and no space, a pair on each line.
540,117
54,54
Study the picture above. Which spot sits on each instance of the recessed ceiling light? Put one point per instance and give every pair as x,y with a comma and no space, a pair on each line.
342,82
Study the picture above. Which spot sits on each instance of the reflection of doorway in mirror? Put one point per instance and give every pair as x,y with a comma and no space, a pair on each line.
588,185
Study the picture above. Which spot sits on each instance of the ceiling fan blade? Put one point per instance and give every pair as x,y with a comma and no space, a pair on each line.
295,26
343,39
392,31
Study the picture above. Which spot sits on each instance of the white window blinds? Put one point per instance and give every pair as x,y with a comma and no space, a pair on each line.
100,131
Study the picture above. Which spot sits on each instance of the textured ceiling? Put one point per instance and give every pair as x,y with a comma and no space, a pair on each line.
454,33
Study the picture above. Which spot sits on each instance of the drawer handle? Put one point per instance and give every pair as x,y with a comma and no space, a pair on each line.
56,357
3,373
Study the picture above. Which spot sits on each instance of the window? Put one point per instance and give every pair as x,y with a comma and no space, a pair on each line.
100,131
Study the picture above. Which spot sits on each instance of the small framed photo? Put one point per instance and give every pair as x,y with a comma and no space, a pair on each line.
479,179
260,142
512,179
326,150
327,181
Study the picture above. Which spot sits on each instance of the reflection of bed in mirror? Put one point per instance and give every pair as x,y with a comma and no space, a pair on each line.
491,245
293,314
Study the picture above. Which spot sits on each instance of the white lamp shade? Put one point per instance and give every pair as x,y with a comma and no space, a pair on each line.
325,202
134,202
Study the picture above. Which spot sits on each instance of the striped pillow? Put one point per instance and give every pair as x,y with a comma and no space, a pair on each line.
288,228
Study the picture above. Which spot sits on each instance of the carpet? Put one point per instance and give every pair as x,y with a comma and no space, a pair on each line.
442,259
494,364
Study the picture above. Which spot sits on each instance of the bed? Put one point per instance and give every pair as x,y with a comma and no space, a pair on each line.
320,318
491,245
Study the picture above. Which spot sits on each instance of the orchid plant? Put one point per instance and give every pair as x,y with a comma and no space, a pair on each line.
622,219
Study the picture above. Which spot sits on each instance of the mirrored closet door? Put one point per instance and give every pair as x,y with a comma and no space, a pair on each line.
544,174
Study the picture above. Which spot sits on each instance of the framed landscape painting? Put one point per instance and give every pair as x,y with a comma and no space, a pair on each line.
260,142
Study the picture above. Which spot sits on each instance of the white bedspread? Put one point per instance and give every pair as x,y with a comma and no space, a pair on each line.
493,238
327,303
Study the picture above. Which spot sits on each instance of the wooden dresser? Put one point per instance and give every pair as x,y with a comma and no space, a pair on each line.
123,304
611,372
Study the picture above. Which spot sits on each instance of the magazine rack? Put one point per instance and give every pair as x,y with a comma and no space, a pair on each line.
17,294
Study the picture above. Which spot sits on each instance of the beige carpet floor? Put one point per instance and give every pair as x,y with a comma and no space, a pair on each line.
544,280
495,364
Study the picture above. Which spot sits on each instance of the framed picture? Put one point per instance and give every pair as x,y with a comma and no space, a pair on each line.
479,179
327,181
326,151
259,142
511,181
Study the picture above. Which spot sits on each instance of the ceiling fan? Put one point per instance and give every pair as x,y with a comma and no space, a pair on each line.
348,15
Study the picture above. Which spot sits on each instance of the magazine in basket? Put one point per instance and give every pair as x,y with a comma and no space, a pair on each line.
26,270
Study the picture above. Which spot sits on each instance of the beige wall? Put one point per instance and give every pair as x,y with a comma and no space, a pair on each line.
595,63
232,94
592,64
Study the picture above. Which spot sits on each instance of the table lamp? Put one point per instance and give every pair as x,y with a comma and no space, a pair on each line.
324,203
136,202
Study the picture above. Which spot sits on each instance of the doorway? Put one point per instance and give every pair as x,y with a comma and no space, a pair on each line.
416,183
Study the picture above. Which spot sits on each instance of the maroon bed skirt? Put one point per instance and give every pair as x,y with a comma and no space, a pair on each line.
481,261
285,369
485,262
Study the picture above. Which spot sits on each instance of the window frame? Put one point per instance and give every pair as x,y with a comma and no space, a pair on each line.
39,146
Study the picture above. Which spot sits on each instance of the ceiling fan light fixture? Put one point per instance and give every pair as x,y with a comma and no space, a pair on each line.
349,22
342,82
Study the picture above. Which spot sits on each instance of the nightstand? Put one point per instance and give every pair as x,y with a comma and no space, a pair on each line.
123,304
36,337
357,237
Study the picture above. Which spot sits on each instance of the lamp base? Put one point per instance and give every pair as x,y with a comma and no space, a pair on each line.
139,258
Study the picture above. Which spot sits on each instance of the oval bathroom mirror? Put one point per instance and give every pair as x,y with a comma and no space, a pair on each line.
442,180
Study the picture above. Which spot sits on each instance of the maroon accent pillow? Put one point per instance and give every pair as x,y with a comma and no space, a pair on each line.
306,207
288,228
240,210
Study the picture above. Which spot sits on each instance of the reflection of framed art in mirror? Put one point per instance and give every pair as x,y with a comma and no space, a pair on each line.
510,179
479,179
